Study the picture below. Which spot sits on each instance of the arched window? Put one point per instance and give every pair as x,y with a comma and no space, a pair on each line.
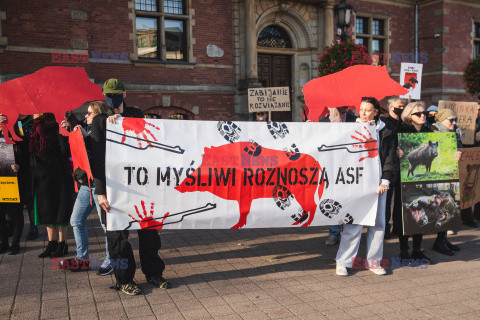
274,37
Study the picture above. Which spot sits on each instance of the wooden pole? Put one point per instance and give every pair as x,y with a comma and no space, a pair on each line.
269,116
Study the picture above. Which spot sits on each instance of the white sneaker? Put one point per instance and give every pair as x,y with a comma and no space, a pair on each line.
451,232
379,271
341,271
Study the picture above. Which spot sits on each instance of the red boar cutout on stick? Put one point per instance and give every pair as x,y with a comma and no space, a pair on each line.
49,90
256,173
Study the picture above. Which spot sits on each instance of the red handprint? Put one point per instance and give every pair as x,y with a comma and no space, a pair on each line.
138,126
147,220
368,143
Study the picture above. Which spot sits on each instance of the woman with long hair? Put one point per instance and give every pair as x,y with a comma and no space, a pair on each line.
52,182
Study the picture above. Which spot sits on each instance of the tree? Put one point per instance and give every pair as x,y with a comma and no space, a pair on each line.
471,76
342,55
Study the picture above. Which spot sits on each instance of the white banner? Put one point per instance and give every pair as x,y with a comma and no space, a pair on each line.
176,174
411,79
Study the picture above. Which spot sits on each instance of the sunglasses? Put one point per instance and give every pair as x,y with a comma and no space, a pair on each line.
453,120
419,114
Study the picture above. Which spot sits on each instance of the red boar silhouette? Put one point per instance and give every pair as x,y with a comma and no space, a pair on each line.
245,171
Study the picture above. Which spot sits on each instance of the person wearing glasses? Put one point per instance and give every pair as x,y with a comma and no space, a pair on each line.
446,121
414,118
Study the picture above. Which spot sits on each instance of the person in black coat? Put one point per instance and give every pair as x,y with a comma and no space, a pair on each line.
392,121
118,245
52,182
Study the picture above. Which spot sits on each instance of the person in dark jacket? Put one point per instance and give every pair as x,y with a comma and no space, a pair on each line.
446,121
340,114
118,245
393,121
52,182
414,117
389,166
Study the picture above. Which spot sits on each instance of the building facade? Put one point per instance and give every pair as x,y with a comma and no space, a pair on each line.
197,58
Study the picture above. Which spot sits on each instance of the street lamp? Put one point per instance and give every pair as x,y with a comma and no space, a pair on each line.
343,13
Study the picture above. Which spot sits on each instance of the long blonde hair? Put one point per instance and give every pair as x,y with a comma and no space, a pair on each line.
408,110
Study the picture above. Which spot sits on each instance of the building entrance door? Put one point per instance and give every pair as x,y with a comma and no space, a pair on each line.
276,71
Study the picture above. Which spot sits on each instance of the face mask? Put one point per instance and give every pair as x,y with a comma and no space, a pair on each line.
397,111
431,119
114,101
260,118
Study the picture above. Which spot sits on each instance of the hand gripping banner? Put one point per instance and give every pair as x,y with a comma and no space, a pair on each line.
176,174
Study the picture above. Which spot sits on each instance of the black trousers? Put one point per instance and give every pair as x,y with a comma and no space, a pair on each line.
120,248
26,193
15,212
395,189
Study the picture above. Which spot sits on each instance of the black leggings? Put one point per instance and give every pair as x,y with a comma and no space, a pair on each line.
15,212
416,239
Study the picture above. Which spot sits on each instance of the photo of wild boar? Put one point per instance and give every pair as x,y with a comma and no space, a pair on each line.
430,208
6,159
429,156
423,155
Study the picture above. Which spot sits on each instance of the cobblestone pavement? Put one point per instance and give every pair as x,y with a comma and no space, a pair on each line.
245,274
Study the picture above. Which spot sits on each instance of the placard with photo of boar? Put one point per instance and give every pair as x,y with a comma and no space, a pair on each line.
430,182
430,207
428,156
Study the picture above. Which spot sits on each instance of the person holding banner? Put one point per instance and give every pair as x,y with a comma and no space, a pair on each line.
52,183
118,245
83,203
389,167
340,114
414,118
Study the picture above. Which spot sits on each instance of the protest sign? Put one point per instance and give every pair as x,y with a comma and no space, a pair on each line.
8,178
269,99
469,167
220,175
411,79
466,117
430,187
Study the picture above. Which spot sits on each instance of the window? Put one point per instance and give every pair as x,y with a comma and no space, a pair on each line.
274,37
476,39
372,33
161,29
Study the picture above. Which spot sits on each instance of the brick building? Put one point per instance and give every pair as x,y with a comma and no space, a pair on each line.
198,57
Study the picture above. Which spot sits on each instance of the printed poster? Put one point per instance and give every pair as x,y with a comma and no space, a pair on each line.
8,178
430,182
411,79
176,174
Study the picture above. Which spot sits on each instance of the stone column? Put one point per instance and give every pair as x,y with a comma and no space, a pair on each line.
328,35
251,73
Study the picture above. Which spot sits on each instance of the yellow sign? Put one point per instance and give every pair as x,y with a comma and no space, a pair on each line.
9,189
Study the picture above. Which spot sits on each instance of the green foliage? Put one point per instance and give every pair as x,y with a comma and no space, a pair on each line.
471,76
444,166
340,56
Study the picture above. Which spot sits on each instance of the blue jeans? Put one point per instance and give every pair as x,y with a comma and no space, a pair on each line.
334,231
78,220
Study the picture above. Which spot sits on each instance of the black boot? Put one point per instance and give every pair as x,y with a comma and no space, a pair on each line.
14,249
62,249
441,247
51,247
421,257
451,246
33,233
4,247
